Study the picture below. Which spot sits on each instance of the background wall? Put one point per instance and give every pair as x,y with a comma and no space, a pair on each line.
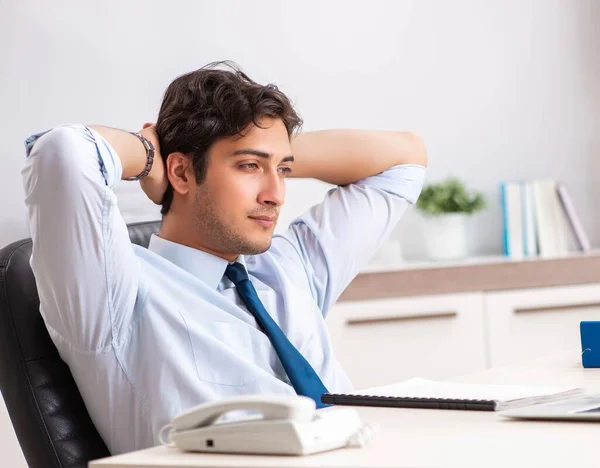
498,89
501,89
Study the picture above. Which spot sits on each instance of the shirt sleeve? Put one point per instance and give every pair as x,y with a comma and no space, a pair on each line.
82,259
333,240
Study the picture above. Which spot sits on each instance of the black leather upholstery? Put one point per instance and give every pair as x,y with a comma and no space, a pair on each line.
44,404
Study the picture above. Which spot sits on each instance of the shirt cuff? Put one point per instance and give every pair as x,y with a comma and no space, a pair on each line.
405,180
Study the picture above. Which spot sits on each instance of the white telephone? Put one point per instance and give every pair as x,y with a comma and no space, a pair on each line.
290,425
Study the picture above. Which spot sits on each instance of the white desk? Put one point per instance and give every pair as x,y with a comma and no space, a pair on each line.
441,438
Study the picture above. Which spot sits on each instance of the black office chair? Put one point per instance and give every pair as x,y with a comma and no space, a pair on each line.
44,404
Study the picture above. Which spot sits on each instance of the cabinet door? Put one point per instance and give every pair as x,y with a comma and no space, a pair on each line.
532,323
388,340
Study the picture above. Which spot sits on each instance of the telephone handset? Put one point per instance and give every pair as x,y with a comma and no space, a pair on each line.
272,407
280,424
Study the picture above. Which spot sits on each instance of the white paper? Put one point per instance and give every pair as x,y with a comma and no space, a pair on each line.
423,388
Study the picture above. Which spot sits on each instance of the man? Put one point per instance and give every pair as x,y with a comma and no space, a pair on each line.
217,305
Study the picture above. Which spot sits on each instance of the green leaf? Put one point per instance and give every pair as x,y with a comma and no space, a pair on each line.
449,196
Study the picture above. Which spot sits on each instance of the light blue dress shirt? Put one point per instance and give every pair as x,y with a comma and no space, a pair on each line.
148,333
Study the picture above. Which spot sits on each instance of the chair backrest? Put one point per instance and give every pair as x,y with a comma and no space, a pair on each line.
48,414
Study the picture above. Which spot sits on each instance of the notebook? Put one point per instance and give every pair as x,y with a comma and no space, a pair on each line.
423,393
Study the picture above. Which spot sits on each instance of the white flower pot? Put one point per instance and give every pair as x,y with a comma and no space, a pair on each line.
445,236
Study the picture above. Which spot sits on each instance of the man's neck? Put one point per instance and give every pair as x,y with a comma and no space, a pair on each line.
181,235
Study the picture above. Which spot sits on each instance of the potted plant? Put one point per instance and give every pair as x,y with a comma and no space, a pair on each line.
446,206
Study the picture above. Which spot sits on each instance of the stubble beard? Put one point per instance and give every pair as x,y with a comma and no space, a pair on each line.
223,236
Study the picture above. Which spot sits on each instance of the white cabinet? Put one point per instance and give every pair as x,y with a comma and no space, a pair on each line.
531,323
380,341
386,340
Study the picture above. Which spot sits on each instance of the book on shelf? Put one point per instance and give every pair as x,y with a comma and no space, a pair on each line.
530,236
583,242
513,219
540,219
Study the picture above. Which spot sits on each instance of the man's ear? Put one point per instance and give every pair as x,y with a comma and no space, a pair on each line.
180,172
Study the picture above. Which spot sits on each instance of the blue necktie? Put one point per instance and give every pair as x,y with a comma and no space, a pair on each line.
303,377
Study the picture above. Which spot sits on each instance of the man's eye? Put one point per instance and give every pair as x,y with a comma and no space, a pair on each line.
249,166
286,170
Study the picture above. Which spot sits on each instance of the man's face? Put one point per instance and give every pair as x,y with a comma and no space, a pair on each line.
237,206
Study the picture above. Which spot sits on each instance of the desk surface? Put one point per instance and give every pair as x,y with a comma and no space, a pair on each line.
442,438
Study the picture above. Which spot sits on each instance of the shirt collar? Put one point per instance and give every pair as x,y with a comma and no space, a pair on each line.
204,266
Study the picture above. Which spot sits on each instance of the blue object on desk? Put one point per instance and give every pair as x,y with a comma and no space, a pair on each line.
590,343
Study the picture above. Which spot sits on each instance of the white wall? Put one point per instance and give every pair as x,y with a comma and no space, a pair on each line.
502,89
499,89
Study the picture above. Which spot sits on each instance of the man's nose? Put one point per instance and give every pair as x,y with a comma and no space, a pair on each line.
273,191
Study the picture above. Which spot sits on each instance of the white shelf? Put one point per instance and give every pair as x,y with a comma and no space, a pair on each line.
480,260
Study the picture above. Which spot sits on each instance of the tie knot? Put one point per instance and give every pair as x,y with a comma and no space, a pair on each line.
236,273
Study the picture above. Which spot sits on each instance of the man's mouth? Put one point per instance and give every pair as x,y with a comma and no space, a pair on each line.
265,221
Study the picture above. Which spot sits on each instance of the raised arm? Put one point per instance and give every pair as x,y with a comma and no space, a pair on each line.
132,154
379,175
84,264
342,157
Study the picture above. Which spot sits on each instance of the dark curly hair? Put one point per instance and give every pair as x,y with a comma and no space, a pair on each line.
205,105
